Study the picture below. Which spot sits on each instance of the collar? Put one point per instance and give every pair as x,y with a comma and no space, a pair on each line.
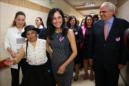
40,27
110,21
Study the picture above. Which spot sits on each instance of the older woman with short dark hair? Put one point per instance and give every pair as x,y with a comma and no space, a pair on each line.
38,72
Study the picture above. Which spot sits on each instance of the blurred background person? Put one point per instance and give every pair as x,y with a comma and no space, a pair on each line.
87,63
95,18
42,29
66,20
72,24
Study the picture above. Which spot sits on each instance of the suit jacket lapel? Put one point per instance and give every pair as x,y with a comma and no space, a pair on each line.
102,26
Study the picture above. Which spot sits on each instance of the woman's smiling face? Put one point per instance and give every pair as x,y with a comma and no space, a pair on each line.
57,20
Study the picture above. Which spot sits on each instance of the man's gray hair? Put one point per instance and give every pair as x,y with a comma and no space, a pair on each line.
110,6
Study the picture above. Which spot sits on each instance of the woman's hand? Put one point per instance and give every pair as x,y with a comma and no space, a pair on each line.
120,66
8,62
13,54
61,69
50,52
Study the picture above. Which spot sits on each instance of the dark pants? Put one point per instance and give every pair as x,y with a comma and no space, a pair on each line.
15,77
39,75
106,75
15,72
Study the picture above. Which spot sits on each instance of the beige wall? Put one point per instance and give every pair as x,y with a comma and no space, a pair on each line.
123,11
45,3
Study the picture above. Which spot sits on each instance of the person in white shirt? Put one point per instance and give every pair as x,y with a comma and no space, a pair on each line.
13,42
39,71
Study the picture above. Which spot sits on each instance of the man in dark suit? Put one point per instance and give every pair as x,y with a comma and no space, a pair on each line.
107,46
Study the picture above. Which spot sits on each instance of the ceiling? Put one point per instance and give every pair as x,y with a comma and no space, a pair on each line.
86,7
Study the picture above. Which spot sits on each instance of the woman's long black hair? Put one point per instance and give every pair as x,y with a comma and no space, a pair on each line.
50,27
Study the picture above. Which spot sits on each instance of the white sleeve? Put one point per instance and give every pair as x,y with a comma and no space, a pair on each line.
7,40
24,46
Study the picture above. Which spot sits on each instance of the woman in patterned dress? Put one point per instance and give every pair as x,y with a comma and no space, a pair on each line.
61,46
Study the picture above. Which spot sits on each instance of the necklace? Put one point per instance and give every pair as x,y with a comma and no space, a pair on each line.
58,35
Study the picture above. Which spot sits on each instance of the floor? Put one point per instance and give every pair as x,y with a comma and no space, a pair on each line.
6,77
82,82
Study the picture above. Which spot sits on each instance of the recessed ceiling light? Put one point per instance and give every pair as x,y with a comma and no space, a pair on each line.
89,4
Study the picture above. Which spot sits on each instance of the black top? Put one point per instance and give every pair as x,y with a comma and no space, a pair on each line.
42,33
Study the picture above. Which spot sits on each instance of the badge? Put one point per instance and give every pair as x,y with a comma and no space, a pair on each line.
117,39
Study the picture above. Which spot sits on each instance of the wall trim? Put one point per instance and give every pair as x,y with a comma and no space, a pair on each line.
27,4
121,2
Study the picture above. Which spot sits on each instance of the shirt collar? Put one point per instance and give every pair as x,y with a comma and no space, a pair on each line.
16,29
110,21
40,27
